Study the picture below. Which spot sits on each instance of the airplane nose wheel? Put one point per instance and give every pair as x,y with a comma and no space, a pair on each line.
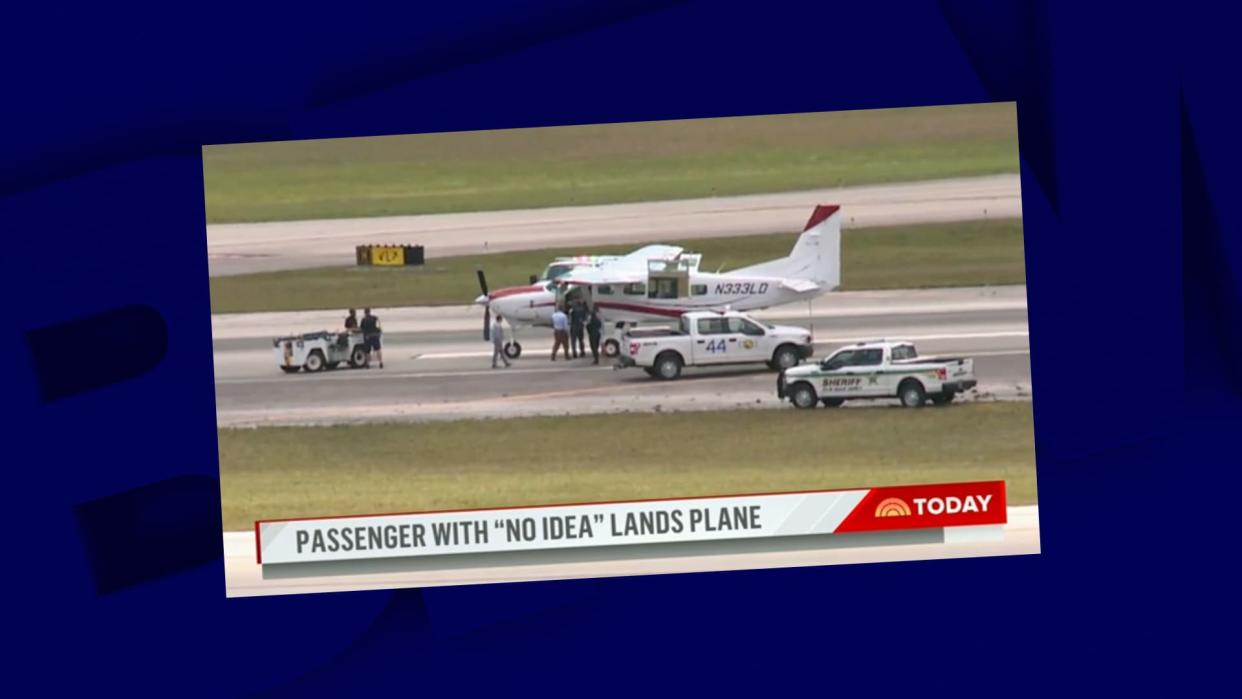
513,350
611,348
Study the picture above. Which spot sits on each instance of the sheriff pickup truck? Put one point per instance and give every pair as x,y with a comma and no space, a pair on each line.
707,338
877,369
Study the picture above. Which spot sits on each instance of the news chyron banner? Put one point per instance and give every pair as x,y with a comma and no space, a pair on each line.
626,523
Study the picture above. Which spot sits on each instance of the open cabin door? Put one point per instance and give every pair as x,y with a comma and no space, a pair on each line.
568,294
670,279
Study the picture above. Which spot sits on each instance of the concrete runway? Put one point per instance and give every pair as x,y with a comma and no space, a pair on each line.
1020,536
239,248
438,366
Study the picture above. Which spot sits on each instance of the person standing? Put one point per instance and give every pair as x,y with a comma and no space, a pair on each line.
560,332
577,321
498,341
351,320
371,332
593,327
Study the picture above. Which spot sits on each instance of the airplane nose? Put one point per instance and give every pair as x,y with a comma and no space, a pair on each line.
482,300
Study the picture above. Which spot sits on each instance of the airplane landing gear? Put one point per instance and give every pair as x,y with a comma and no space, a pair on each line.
513,350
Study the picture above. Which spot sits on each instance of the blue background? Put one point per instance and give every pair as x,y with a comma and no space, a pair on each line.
1127,117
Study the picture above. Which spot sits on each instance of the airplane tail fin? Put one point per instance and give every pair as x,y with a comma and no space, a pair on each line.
816,256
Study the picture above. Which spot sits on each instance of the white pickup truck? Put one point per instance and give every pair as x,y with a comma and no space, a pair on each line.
878,369
707,338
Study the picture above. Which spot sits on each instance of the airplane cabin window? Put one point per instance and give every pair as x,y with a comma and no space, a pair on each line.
604,290
637,289
698,289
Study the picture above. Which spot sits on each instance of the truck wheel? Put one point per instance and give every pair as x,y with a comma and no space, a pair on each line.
358,358
785,357
611,347
290,369
668,366
911,393
943,398
314,361
802,395
513,350
833,402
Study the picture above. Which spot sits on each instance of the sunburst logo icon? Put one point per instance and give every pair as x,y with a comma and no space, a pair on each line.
892,507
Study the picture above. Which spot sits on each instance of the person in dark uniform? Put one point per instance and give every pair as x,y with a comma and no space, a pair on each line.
577,321
371,332
593,328
351,320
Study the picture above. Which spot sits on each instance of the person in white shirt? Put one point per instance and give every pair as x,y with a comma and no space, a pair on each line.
560,332
498,341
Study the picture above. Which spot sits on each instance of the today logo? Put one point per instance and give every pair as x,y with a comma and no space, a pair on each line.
892,507
951,505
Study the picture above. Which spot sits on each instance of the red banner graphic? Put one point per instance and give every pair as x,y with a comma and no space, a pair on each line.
927,506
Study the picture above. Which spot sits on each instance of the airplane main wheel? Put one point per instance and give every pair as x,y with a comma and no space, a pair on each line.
611,347
513,350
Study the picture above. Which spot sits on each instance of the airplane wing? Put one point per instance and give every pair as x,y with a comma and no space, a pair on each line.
609,274
628,269
638,259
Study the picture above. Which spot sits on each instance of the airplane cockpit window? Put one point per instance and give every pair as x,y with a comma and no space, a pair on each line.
557,270
604,289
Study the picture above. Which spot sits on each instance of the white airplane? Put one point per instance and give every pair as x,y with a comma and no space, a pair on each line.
661,282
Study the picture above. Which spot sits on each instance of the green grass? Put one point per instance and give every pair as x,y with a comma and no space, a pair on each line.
276,472
606,163
926,255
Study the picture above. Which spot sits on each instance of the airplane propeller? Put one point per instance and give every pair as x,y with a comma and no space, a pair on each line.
487,306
